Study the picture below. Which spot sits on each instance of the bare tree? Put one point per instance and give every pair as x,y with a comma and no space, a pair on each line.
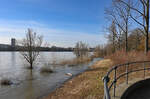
115,37
112,37
140,14
30,47
81,49
119,14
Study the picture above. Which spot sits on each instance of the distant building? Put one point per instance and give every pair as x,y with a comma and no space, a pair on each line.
13,42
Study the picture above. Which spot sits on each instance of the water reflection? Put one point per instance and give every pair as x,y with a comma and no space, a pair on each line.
29,89
13,59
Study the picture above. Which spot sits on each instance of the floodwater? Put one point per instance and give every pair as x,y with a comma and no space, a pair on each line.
34,85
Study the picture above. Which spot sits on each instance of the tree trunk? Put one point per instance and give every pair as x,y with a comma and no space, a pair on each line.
31,65
146,44
126,35
126,41
147,29
114,49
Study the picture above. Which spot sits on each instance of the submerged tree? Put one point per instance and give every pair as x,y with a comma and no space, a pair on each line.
99,51
30,47
81,49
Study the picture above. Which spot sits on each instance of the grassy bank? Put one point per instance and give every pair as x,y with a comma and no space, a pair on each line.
88,85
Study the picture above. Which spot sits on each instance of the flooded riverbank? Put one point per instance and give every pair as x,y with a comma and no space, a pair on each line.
33,85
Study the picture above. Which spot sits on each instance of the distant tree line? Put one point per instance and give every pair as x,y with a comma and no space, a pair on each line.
42,48
4,47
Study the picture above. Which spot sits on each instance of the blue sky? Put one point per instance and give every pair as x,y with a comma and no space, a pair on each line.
61,22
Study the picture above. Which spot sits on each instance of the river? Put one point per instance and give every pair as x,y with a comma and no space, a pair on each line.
34,85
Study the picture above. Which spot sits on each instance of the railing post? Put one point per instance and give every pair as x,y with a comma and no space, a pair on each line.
106,89
115,81
116,77
127,73
144,69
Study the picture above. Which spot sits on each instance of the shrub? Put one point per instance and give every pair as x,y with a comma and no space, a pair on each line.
46,70
81,49
6,82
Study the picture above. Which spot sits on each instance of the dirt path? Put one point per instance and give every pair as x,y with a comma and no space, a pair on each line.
88,85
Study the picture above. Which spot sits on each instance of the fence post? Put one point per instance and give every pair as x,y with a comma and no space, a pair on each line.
115,81
106,89
127,73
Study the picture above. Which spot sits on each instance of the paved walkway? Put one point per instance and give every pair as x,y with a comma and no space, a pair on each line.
142,90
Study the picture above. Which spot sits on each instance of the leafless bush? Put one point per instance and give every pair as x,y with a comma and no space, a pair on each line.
5,82
81,49
46,70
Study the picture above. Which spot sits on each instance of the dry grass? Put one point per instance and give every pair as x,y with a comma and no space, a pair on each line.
121,57
88,85
103,63
76,61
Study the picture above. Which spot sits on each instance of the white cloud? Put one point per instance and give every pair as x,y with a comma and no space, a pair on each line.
5,40
58,37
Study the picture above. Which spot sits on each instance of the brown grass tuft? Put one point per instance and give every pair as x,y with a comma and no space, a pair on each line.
6,82
46,70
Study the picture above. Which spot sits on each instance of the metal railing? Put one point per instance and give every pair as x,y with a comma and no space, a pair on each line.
126,72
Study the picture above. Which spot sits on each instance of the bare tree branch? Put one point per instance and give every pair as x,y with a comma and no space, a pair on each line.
30,47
